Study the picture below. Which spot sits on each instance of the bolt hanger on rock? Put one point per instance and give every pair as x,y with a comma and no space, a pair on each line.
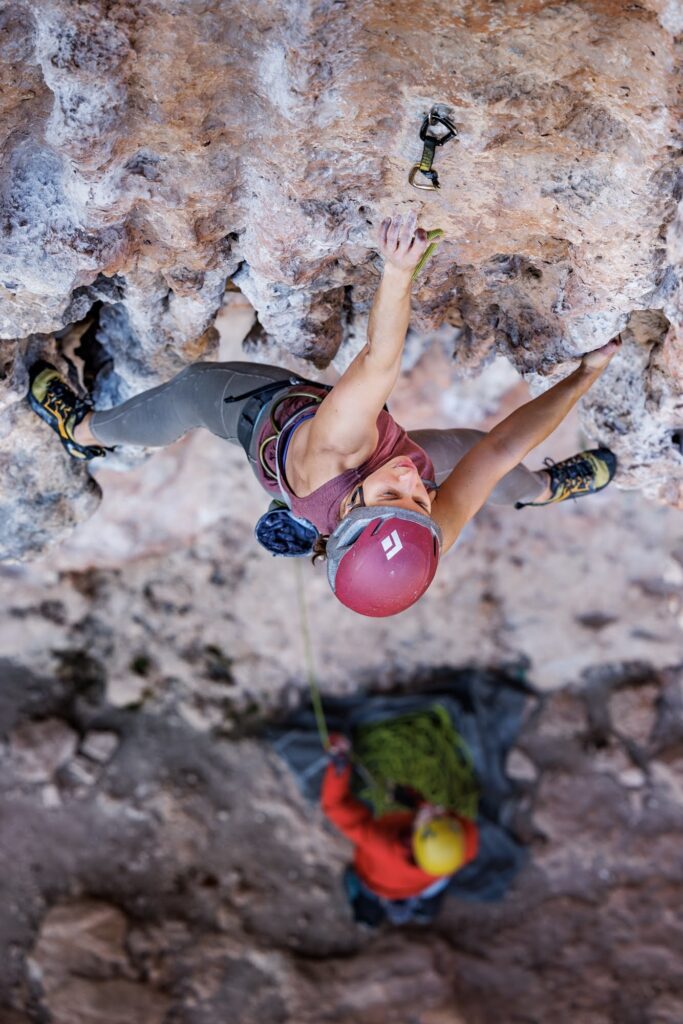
431,141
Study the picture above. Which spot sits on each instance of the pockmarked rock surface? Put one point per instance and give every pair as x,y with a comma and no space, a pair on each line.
154,152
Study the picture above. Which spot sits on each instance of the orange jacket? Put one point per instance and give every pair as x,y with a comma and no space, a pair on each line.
383,857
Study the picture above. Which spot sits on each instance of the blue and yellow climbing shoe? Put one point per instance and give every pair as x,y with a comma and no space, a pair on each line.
581,474
59,406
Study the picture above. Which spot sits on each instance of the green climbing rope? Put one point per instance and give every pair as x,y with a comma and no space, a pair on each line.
316,700
422,752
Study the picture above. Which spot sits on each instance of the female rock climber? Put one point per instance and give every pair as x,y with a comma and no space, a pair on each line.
403,861
382,504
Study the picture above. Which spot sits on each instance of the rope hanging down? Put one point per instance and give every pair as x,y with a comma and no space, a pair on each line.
421,750
316,699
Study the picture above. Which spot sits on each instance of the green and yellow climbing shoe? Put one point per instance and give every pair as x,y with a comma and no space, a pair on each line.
583,473
54,401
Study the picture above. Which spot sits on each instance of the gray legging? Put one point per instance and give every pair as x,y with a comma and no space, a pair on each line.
196,396
446,448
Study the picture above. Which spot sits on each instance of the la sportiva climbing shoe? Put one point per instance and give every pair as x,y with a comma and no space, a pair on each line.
584,473
59,406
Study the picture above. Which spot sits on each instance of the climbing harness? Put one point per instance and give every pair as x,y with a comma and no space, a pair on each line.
431,141
279,530
254,401
317,399
429,251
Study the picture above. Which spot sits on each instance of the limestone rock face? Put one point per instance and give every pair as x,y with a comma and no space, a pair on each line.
153,152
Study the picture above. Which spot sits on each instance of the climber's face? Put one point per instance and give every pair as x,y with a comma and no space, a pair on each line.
397,483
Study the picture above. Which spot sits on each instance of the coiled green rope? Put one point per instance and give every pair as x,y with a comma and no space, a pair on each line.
421,751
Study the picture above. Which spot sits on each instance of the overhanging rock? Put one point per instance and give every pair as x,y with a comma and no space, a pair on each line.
154,151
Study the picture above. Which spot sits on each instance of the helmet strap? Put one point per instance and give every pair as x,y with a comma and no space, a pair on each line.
357,492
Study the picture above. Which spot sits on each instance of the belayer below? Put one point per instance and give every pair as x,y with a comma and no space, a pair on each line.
403,861
348,483
419,784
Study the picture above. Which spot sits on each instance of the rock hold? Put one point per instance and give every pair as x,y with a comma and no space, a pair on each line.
38,749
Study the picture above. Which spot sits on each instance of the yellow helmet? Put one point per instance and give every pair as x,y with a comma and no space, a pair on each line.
439,845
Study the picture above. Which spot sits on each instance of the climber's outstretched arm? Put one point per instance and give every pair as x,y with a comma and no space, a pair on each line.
465,490
345,424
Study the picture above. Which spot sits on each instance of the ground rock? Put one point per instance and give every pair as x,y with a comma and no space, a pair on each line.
633,714
81,938
99,746
84,971
192,880
105,1002
38,749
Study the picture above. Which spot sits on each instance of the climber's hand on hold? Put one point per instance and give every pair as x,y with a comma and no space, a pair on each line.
401,242
599,358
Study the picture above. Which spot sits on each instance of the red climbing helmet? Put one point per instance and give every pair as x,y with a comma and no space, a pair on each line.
380,559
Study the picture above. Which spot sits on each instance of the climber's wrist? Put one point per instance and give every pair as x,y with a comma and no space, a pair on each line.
587,375
398,277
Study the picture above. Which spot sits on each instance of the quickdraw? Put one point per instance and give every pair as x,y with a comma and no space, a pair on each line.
430,143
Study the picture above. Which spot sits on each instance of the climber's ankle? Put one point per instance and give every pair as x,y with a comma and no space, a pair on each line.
547,493
82,432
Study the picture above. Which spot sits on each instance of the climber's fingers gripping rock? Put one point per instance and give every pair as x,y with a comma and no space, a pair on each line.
401,242
600,357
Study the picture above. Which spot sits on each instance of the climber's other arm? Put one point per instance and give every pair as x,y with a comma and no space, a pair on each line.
465,490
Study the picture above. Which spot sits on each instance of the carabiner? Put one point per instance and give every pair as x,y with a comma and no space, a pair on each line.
429,149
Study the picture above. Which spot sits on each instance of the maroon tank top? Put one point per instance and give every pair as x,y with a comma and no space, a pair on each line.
321,507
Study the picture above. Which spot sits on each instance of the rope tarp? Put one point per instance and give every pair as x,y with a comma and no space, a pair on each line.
485,709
